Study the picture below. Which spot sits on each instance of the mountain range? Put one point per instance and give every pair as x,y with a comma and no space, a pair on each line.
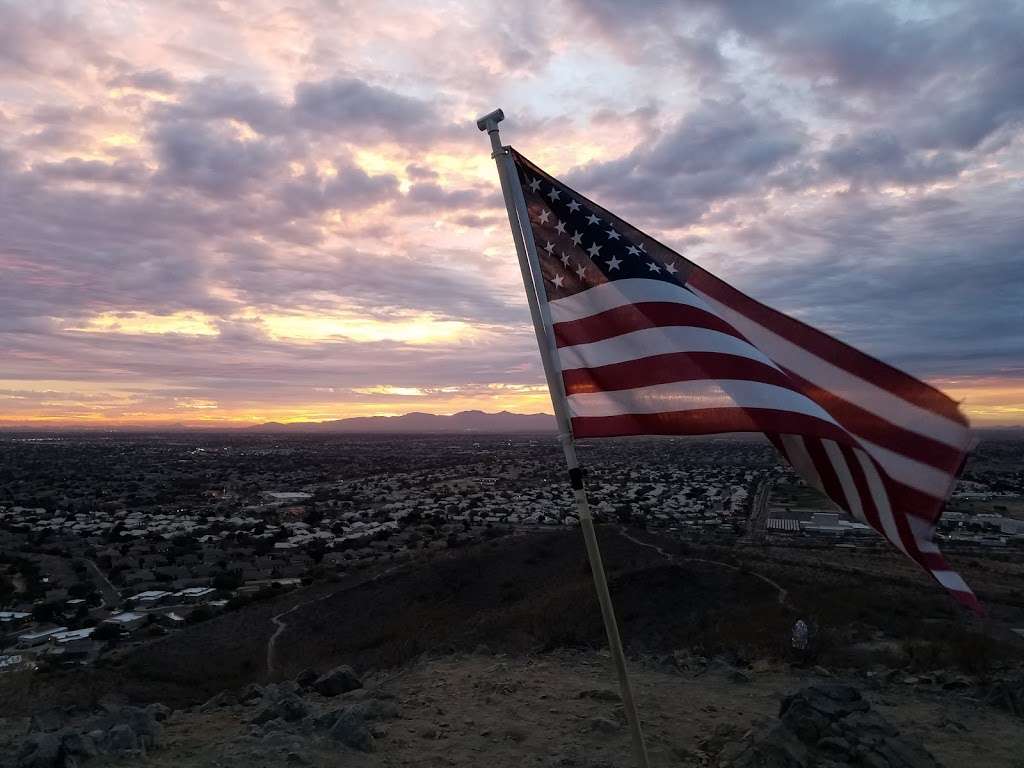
464,421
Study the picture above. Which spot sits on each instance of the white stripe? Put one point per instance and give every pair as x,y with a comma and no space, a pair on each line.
951,580
617,293
693,395
655,341
922,532
917,475
835,456
851,388
796,450
881,499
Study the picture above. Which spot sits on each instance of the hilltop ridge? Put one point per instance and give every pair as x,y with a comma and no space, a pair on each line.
418,421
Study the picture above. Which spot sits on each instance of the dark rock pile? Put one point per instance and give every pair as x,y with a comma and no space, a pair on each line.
823,726
59,739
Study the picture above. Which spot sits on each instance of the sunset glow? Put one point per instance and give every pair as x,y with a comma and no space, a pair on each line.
231,213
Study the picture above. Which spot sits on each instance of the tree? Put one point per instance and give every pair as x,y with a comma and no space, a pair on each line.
107,633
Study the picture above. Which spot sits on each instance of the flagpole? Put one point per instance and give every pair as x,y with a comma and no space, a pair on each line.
529,266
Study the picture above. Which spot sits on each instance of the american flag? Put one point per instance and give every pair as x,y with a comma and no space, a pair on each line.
651,344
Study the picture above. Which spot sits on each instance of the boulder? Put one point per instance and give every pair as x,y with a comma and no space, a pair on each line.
47,721
160,712
222,699
336,682
289,707
352,731
122,740
250,694
79,745
827,724
41,750
306,678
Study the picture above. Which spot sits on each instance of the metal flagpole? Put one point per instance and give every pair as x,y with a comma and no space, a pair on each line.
529,266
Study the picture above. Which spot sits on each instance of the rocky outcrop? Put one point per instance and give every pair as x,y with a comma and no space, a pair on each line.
826,725
336,682
119,730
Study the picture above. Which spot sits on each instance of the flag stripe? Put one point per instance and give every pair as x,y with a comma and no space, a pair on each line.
702,422
648,342
619,293
855,362
694,395
865,394
635,317
870,426
662,369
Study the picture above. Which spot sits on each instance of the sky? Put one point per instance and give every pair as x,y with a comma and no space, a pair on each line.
220,212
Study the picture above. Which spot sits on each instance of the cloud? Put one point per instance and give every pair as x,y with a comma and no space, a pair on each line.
718,150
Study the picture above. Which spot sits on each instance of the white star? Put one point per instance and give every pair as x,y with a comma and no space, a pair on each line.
558,280
565,259
633,250
642,248
592,219
560,228
577,238
594,250
613,235
553,194
580,270
544,216
574,206
653,267
550,247
671,268
613,263
535,185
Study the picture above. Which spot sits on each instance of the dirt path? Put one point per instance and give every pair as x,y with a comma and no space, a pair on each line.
281,625
783,593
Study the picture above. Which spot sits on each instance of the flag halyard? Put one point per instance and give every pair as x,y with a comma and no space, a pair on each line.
649,343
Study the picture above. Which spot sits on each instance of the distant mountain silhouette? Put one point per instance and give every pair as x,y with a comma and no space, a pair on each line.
464,421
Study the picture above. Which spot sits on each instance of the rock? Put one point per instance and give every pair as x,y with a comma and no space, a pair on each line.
336,682
352,731
144,725
290,708
47,721
297,758
160,712
79,745
1007,695
306,678
826,725
251,694
374,709
603,725
122,740
41,750
600,694
222,699
738,676
378,731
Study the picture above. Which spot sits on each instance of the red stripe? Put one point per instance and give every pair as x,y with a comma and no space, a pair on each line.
832,350
827,472
874,428
635,317
704,421
860,481
664,369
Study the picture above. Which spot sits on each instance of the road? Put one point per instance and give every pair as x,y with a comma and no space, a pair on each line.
758,513
111,596
783,594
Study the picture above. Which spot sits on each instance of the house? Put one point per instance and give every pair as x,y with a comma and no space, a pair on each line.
127,621
14,620
149,597
38,637
195,594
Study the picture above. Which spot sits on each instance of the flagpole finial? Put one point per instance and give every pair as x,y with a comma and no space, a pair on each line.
489,122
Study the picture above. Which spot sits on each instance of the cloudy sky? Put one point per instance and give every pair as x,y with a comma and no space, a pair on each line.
219,211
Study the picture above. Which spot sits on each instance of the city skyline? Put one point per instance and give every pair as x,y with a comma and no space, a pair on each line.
232,214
